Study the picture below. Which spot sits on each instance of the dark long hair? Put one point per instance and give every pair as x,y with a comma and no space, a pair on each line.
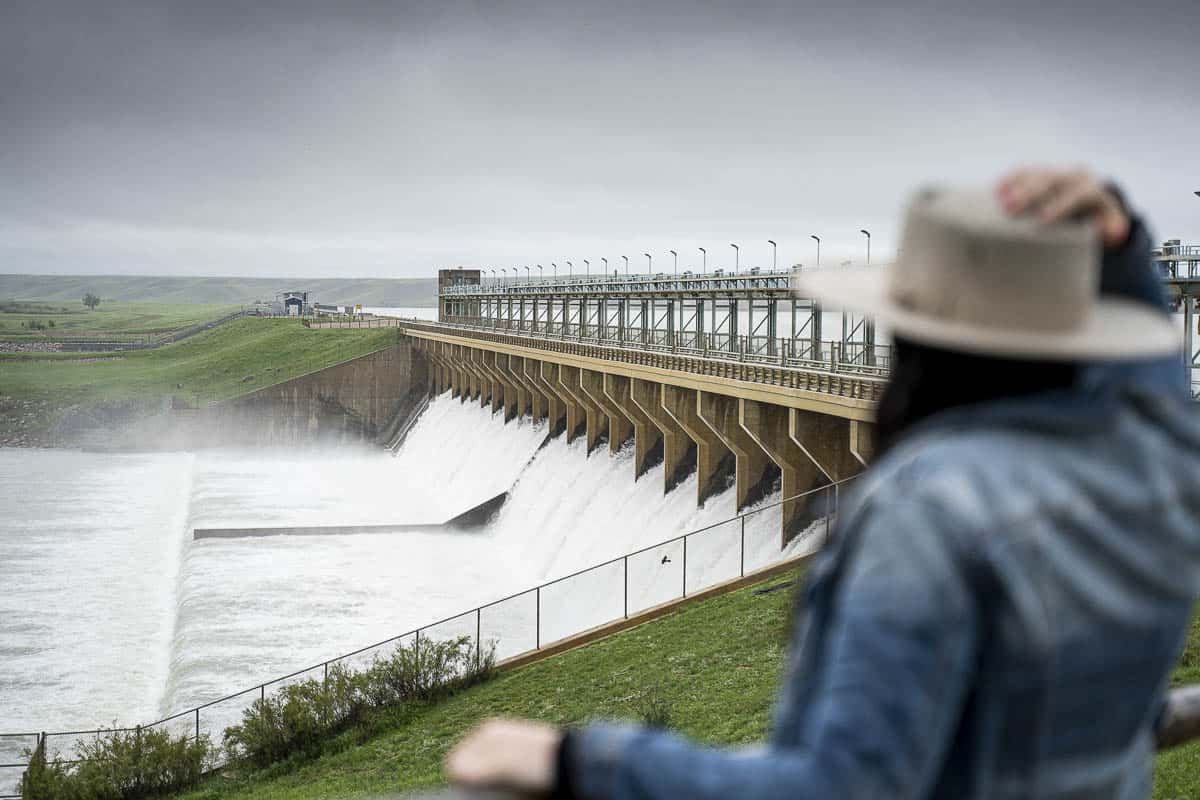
925,380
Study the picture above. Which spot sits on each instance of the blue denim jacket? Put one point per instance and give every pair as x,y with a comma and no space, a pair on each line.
995,618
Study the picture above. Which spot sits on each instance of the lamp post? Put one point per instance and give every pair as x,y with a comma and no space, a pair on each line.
774,253
675,257
528,275
649,264
504,275
605,260
626,265
570,270
867,234
737,253
493,277
541,272
703,260
554,268
587,268
818,240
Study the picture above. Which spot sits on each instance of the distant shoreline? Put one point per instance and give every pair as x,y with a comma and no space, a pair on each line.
393,292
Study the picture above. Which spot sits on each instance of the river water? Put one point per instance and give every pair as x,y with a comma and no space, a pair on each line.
111,612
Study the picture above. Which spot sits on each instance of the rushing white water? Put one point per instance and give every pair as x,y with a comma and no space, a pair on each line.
111,611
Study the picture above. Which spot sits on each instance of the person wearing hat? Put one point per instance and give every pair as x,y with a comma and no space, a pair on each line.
1009,584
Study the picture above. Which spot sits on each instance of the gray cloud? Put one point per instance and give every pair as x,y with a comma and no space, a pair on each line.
392,138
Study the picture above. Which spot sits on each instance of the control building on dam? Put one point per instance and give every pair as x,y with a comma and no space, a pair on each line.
727,376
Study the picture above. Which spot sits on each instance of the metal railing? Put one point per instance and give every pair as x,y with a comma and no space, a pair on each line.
519,624
828,356
750,279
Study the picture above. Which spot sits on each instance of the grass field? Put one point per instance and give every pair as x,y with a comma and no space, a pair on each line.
716,664
189,289
50,320
228,360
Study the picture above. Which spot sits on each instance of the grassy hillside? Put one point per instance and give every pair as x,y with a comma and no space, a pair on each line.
49,320
216,290
714,664
229,360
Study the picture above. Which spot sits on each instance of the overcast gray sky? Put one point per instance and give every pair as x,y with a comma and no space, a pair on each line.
390,139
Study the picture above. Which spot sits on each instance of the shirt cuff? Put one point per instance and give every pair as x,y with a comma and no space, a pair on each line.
589,760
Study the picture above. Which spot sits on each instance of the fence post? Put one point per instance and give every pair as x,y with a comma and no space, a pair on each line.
537,641
742,569
625,560
685,566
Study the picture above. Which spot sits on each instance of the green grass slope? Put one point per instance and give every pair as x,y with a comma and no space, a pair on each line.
220,290
227,361
716,663
109,321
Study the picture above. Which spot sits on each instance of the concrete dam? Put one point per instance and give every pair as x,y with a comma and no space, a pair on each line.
726,378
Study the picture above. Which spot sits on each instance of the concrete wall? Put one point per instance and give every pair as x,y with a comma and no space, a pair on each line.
358,401
350,402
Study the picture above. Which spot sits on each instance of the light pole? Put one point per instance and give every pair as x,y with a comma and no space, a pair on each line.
570,270
528,277
774,252
626,265
587,268
505,278
737,253
703,260
675,256
493,276
554,268
867,234
818,239
541,272
605,260
649,264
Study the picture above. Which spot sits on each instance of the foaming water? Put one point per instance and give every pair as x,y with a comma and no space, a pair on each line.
117,613
89,547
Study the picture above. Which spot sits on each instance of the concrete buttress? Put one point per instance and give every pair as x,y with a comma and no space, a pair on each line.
647,439
714,460
679,451
826,440
768,425
597,422
754,470
620,427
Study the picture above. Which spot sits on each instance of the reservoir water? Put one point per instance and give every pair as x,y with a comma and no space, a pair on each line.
109,611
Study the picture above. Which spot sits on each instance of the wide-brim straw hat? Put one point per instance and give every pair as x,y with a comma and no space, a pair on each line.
971,277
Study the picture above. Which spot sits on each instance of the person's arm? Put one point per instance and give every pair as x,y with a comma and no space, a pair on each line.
1127,271
896,665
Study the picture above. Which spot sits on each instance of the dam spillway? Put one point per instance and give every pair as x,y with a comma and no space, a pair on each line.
197,618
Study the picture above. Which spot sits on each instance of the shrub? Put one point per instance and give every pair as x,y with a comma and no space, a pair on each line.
300,717
653,708
119,765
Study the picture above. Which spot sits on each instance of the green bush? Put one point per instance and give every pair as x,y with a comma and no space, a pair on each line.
653,709
300,717
121,765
